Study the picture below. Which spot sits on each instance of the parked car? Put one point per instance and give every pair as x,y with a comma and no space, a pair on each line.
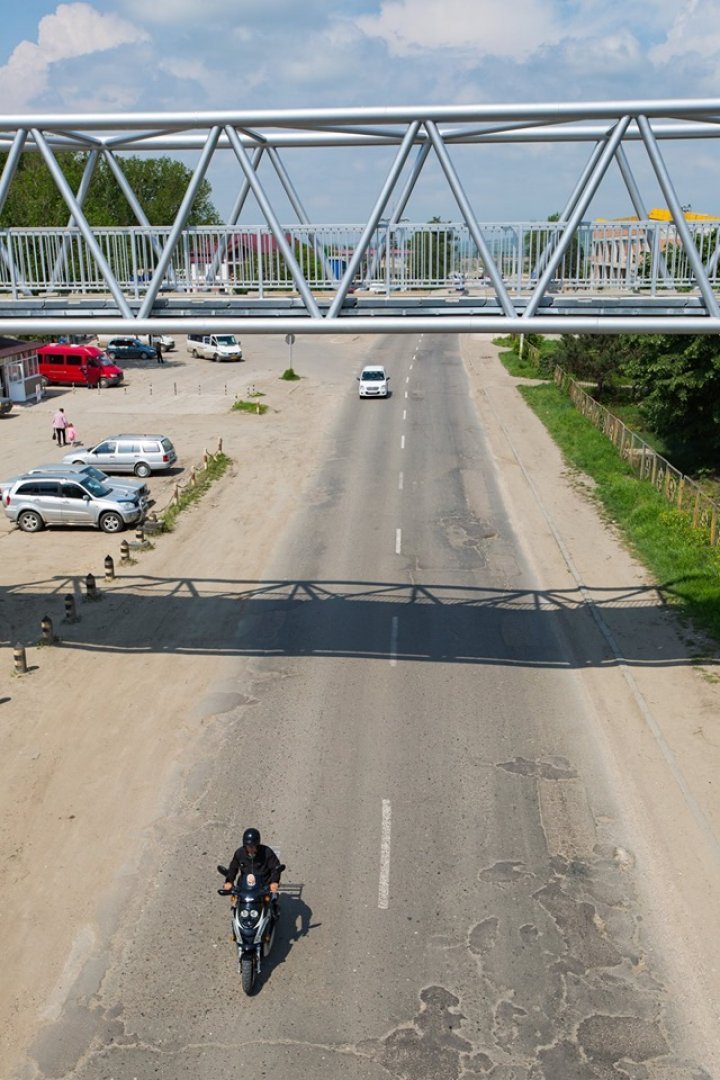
373,381
139,454
129,348
215,346
33,502
77,365
166,342
135,487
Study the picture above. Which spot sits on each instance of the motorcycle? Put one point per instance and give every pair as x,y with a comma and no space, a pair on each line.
254,920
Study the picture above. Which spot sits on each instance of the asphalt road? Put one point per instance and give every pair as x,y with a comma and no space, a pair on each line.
408,728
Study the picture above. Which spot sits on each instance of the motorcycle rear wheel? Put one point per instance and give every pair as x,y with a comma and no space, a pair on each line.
247,973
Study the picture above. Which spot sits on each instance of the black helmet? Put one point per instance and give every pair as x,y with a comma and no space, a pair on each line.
251,838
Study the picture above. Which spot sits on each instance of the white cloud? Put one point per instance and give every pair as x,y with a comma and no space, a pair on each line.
484,27
75,29
695,29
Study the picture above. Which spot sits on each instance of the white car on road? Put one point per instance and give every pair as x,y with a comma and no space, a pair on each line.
373,381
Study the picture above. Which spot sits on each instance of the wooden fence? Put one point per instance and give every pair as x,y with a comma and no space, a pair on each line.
679,490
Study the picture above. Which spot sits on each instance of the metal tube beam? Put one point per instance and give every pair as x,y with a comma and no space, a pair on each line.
454,324
675,209
467,212
11,163
275,227
575,218
81,196
234,215
82,224
373,220
182,216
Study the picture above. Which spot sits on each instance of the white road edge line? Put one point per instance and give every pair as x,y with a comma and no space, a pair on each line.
398,541
384,887
394,640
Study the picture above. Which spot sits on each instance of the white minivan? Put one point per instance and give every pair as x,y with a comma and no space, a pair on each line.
215,346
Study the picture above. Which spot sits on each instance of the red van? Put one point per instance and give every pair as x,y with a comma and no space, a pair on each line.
77,365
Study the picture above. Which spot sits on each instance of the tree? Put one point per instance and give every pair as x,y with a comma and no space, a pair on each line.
159,183
679,380
600,357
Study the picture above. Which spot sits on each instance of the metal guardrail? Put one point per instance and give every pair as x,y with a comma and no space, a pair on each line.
628,257
676,488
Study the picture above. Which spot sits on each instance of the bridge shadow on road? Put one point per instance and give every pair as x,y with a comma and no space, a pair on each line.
445,623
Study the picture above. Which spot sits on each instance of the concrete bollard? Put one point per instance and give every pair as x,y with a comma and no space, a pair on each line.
193,476
124,551
70,612
46,629
219,449
20,659
109,568
140,534
176,495
257,408
91,587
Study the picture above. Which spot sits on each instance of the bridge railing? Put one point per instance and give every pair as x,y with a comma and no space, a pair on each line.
404,257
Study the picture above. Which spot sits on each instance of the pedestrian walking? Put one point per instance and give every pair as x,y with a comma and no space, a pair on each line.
158,352
59,425
71,434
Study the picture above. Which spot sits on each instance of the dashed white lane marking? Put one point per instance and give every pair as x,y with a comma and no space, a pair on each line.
384,887
394,641
406,393
402,442
401,481
398,541
410,368
407,378
404,414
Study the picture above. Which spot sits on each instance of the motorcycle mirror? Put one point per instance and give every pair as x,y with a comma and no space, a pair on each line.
282,867
222,870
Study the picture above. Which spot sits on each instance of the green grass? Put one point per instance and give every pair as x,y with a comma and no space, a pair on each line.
678,556
289,375
217,465
239,405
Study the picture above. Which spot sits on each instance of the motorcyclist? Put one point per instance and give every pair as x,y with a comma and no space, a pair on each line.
255,858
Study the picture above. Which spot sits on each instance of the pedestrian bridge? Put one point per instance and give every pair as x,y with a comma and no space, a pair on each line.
388,274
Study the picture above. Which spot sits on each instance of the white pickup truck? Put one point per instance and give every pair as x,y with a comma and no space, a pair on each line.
215,346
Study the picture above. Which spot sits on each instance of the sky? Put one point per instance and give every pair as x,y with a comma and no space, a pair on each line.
158,55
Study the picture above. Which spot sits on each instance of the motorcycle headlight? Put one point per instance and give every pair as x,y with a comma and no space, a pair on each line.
244,914
254,914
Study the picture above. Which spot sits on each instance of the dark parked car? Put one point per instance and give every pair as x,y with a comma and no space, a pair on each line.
129,348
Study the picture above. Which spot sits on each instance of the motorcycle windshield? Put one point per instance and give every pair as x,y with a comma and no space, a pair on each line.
252,888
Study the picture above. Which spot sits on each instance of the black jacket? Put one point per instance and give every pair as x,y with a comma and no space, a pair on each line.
264,863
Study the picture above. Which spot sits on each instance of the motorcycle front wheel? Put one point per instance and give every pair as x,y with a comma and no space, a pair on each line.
247,973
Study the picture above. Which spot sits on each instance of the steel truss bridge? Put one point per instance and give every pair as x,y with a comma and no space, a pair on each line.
385,275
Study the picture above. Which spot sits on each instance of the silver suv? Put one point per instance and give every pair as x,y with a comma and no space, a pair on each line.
139,454
36,501
80,472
